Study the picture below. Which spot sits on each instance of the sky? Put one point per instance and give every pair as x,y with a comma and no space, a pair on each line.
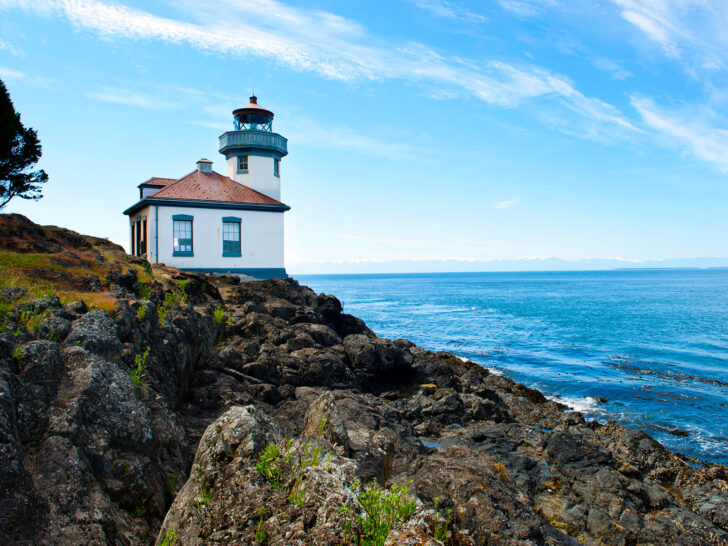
419,130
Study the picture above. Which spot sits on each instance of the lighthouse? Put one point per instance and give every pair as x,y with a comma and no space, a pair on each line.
217,224
253,152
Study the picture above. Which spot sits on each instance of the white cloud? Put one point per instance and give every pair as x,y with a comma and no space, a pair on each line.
324,43
10,74
341,137
528,8
693,31
506,204
142,100
608,65
449,10
5,46
694,130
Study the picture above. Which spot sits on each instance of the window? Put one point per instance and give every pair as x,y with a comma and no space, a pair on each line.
276,167
231,237
242,163
182,233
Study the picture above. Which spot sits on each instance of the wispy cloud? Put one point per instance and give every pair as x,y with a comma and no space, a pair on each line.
11,74
698,131
15,52
608,65
449,10
506,204
694,31
528,8
320,135
142,100
329,45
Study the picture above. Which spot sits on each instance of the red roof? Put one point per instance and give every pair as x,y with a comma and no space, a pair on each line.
211,186
156,181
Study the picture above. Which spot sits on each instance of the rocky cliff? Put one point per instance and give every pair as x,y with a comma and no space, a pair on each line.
184,410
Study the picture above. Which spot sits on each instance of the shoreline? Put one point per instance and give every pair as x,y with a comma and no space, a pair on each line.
224,371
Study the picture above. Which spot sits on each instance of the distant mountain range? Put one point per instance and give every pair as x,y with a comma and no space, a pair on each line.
524,264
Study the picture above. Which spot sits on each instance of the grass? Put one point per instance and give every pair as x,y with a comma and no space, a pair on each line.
17,353
139,371
141,313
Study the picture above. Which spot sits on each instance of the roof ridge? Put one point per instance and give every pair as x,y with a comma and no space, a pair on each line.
247,187
177,181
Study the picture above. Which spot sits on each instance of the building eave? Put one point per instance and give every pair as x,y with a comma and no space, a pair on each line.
200,203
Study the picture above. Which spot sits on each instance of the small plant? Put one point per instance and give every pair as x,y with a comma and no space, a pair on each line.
141,313
170,538
203,495
218,314
145,291
381,510
171,483
260,529
182,294
4,320
321,429
17,353
440,523
140,510
297,494
139,371
268,465
283,468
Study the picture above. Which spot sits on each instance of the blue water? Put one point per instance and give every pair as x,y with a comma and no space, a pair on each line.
654,344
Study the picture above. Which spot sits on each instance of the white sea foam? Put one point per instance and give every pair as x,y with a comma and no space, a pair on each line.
464,359
586,404
495,371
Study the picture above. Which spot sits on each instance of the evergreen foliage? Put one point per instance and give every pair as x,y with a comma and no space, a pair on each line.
19,150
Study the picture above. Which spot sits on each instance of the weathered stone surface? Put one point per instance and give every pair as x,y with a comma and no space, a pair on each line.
87,457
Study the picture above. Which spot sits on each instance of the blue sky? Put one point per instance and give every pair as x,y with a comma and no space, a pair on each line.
418,129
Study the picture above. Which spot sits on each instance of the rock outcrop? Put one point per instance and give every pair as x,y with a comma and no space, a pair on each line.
216,413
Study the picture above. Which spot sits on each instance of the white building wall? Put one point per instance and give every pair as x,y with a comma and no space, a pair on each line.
261,238
259,177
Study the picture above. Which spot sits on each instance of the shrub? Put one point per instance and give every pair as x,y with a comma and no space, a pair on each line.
17,353
139,370
141,313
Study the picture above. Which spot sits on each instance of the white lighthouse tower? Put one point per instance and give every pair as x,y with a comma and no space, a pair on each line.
253,151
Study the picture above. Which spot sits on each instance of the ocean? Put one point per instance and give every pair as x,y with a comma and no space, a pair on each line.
647,348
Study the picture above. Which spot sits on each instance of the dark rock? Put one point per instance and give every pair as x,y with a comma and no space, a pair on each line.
96,332
12,294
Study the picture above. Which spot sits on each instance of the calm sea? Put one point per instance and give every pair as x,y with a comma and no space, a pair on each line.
647,348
